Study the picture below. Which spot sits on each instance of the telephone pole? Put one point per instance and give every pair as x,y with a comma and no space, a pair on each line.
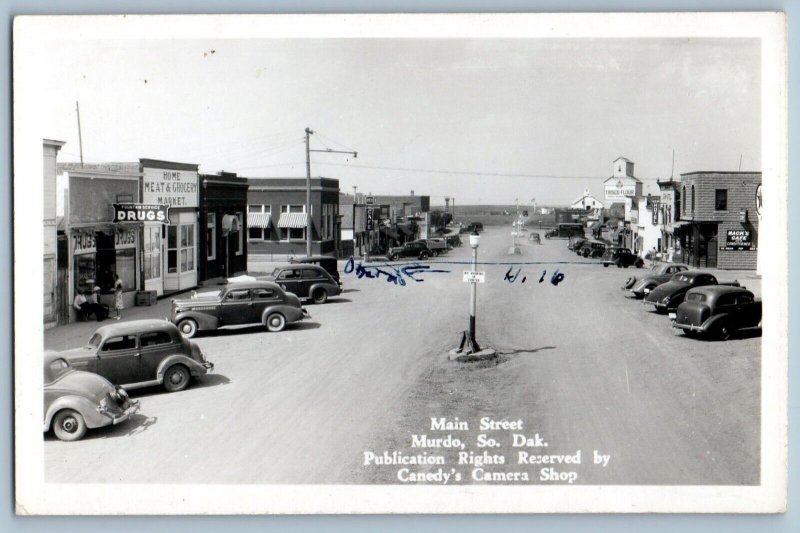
309,133
80,139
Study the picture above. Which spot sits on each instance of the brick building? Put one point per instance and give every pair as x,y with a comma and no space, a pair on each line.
277,216
223,244
719,209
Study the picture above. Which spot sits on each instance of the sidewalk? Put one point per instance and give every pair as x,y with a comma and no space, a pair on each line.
77,334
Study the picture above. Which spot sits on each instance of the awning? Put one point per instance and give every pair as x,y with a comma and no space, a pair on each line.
293,220
670,228
259,220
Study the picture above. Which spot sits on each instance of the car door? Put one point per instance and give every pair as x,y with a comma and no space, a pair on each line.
310,276
726,304
154,346
237,308
118,359
748,311
263,298
289,279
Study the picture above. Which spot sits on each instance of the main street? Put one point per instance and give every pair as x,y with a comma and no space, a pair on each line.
579,363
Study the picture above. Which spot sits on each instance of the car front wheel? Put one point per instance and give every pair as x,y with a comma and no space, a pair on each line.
393,257
320,296
276,322
69,425
423,256
188,328
176,378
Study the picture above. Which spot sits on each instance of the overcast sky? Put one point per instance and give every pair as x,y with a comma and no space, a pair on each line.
447,117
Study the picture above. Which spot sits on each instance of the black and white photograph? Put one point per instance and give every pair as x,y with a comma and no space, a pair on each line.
400,263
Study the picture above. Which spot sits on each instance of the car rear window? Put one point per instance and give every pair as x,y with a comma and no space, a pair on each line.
695,297
154,338
310,273
263,294
206,294
124,342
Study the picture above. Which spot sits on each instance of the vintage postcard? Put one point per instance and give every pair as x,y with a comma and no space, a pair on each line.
401,263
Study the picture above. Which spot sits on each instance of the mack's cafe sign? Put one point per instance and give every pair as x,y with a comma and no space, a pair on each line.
141,213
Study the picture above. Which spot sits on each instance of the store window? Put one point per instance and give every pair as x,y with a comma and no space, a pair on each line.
126,267
693,199
254,230
211,236
187,247
290,234
172,249
84,272
152,252
721,200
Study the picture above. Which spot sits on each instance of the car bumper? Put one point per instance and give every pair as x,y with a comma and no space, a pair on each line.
688,327
133,408
209,366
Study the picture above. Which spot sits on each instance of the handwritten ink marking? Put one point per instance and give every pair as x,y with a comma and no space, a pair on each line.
392,275
557,278
544,273
511,278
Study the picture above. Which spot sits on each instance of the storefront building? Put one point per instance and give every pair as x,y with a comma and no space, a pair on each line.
722,222
98,248
223,244
170,250
667,213
277,217
52,302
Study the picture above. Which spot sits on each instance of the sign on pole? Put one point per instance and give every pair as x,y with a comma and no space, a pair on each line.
370,200
370,218
474,277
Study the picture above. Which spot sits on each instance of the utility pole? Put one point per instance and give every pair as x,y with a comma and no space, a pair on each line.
355,188
309,133
80,138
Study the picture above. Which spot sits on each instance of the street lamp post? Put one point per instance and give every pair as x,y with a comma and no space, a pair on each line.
474,242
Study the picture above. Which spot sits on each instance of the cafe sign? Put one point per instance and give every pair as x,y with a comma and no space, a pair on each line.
141,213
737,240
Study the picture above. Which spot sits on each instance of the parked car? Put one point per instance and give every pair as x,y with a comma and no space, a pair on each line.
75,401
472,227
435,245
141,353
535,238
306,281
592,249
621,257
410,249
668,296
330,264
566,230
237,305
575,242
659,273
720,311
453,241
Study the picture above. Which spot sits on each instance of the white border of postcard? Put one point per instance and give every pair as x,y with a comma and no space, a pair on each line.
34,496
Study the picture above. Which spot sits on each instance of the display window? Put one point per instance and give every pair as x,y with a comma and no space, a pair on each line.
152,252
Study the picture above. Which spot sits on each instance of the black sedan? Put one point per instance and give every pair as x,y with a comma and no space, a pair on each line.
668,296
621,257
719,311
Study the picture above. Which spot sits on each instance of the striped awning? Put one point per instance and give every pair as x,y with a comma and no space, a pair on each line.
259,220
293,220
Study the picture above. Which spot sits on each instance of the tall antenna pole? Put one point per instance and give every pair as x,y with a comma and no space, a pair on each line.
308,191
672,172
80,139
740,162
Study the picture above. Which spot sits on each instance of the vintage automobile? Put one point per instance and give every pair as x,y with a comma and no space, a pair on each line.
592,248
720,311
410,249
330,264
575,242
535,238
237,305
668,296
141,353
621,257
659,273
437,246
306,281
75,401
566,230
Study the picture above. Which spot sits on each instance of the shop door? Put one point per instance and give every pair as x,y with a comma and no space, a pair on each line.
712,253
62,296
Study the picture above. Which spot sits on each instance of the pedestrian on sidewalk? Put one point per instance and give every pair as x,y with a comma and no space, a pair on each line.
118,304
82,305
99,309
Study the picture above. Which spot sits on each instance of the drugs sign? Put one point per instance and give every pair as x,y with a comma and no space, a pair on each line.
141,213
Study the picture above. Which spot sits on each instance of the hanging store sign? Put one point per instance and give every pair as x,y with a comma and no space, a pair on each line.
370,218
141,213
737,240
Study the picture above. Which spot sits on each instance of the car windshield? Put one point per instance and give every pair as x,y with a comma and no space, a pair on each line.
55,369
276,272
94,342
213,293
684,278
696,297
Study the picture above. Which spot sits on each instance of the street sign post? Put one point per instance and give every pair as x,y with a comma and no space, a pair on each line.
471,276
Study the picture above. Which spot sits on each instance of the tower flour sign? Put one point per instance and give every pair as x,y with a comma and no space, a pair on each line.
175,188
